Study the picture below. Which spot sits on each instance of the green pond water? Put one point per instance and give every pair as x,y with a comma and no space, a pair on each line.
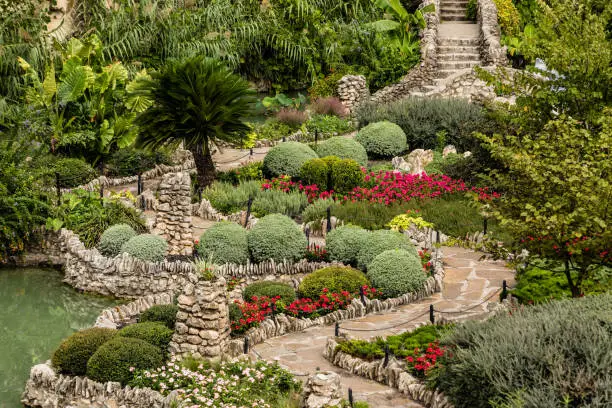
37,311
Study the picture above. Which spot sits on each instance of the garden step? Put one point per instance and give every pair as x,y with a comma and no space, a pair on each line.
445,73
453,3
458,56
455,10
451,41
454,17
457,64
458,49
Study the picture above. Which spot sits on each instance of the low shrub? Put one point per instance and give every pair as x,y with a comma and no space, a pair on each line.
165,314
251,171
380,241
272,201
276,237
328,106
315,212
327,125
291,117
129,161
333,278
146,247
155,333
225,242
549,355
235,313
343,148
382,139
287,159
508,17
346,174
272,130
228,198
117,359
328,86
396,272
72,355
376,167
271,290
315,171
471,10
73,172
343,243
113,238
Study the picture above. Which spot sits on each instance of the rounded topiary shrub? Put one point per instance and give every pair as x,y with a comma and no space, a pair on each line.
276,237
165,314
155,333
382,139
225,242
287,159
380,241
114,358
333,278
270,289
72,355
346,174
147,247
73,172
343,243
315,171
396,272
114,237
344,148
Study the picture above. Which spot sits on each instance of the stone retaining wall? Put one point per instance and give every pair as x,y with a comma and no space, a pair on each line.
492,52
393,375
173,213
122,315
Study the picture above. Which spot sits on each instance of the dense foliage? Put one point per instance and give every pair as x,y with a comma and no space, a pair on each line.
271,290
113,238
224,242
72,355
146,247
344,148
380,241
276,237
334,279
382,139
343,243
287,159
396,272
155,333
165,314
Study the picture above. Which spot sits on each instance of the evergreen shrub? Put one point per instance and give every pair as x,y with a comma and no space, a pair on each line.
165,314
276,237
155,333
379,241
334,279
344,148
269,289
113,238
147,247
396,272
72,355
344,243
346,174
287,159
382,139
225,242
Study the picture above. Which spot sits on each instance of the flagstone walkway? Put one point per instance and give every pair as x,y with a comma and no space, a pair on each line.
469,283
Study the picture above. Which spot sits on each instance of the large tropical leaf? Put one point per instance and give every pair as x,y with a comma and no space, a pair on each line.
394,7
49,86
382,26
125,132
76,81
139,96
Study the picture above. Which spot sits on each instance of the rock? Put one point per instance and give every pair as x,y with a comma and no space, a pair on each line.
322,390
467,154
414,163
450,149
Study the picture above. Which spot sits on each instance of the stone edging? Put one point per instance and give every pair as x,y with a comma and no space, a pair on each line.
119,316
393,375
492,51
282,324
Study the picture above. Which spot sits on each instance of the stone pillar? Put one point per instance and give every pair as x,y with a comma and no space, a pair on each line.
202,322
322,390
352,91
173,216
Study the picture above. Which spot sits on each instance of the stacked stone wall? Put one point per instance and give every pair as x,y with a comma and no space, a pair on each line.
173,215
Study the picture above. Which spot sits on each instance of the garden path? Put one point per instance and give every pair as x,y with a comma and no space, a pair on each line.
469,283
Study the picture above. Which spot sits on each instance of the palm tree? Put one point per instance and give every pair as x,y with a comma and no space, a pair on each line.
197,101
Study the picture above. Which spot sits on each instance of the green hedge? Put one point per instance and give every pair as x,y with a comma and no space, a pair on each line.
551,355
155,333
287,159
344,148
334,278
270,289
129,161
147,247
73,172
315,171
276,237
396,272
225,242
382,139
113,238
379,241
72,355
114,358
343,243
165,314
346,174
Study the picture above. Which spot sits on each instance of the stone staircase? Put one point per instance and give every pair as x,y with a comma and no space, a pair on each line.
454,10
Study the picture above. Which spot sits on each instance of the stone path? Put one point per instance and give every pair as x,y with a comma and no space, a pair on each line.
467,283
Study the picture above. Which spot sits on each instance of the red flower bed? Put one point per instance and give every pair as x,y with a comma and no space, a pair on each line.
425,360
317,254
425,256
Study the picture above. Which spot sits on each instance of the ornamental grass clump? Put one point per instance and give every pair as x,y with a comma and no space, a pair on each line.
287,159
343,243
396,272
146,247
113,238
551,355
333,279
382,139
72,355
379,241
276,237
225,242
344,148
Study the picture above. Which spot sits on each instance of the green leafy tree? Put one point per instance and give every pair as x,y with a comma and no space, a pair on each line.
199,102
558,189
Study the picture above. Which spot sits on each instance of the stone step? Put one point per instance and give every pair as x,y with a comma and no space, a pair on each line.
458,49
428,88
453,9
454,18
454,3
461,41
444,73
456,65
458,56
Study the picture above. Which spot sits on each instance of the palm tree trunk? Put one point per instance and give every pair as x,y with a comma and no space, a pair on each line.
204,164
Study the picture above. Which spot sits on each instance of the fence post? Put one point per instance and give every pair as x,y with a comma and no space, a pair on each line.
199,194
307,232
337,329
351,401
248,213
362,295
329,219
431,314
316,136
251,151
504,293
139,187
484,226
386,355
246,345
102,195
437,236
284,139
59,190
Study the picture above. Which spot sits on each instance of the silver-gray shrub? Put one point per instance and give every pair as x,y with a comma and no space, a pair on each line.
225,242
228,198
276,237
343,243
276,201
379,241
113,238
344,148
382,139
147,247
552,355
396,272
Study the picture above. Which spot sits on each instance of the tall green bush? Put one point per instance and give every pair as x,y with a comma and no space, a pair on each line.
344,243
270,289
346,174
276,237
334,279
155,333
73,172
113,238
72,355
379,241
315,171
344,148
382,139
146,247
287,158
396,272
165,314
225,242
550,355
